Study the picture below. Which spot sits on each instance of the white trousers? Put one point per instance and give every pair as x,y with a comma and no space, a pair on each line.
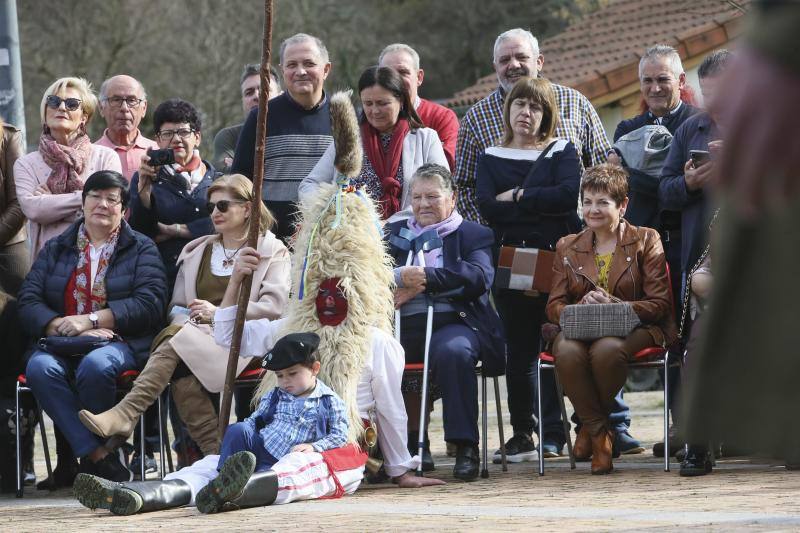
301,476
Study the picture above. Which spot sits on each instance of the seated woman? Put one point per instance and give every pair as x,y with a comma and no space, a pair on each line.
168,201
610,258
465,327
527,189
394,141
49,180
98,278
206,265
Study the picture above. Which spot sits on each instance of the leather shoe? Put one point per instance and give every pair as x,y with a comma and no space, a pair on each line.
697,462
467,462
602,442
63,474
582,449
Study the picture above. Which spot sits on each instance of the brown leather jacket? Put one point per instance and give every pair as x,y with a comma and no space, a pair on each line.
12,221
638,275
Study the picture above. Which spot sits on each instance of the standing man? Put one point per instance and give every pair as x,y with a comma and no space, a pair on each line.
123,104
405,60
298,129
225,140
662,81
516,54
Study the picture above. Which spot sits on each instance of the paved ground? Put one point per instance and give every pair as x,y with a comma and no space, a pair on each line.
741,494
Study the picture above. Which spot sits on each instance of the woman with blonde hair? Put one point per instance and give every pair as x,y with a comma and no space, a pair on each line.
186,353
50,180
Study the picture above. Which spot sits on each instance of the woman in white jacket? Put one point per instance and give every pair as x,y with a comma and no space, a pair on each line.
395,144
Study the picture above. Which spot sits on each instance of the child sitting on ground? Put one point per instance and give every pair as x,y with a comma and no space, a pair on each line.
301,415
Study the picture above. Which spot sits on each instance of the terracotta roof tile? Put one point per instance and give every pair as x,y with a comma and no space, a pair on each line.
600,53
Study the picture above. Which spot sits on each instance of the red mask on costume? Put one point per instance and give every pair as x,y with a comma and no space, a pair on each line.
331,303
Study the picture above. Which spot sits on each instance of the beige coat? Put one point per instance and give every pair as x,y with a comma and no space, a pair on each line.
269,296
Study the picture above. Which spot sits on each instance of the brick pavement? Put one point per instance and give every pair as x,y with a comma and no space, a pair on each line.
740,495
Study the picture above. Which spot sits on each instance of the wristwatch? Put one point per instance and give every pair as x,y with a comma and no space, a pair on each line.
93,318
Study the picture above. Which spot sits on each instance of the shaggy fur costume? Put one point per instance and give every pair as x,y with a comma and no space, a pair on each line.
354,252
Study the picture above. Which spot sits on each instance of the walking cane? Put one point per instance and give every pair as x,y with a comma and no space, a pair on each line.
252,235
404,241
425,242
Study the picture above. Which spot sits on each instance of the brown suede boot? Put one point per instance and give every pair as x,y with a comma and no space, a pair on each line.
582,449
602,443
197,412
122,418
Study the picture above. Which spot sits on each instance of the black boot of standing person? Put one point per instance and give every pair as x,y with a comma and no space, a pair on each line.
697,461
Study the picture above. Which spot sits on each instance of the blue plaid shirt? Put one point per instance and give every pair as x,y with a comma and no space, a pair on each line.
482,127
297,419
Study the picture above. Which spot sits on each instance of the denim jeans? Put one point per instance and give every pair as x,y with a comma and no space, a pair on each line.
65,385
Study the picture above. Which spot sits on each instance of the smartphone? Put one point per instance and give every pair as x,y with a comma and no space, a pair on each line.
159,158
699,157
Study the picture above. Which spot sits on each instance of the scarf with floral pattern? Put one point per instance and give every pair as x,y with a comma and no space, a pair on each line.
80,298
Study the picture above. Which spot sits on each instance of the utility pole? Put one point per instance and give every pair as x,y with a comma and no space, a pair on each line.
12,107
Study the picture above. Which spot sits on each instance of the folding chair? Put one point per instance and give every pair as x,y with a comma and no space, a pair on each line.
414,370
654,357
124,383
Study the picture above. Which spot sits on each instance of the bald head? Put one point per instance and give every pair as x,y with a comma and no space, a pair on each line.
116,96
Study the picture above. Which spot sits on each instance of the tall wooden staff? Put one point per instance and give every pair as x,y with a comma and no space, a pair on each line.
255,217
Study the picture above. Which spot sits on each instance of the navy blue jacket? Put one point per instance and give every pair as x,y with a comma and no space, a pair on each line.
547,210
694,134
469,272
643,207
136,287
172,203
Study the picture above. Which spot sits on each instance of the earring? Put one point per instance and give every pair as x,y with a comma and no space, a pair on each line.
45,129
82,128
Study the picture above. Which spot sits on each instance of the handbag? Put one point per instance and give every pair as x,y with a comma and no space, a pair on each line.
584,322
522,268
77,346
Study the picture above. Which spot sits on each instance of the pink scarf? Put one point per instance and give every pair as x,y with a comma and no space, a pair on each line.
66,162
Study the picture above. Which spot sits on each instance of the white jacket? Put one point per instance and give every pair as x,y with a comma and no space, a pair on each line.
419,147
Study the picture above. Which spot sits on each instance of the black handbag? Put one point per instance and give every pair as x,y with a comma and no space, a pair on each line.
74,346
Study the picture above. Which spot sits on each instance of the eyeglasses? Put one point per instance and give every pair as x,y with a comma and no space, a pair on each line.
71,104
112,201
222,206
116,101
167,135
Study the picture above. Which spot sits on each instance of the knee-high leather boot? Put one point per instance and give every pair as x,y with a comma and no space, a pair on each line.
197,412
237,487
122,418
133,497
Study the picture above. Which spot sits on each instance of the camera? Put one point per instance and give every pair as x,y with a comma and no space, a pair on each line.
699,157
159,158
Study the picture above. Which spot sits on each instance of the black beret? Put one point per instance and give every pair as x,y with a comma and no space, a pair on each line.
293,349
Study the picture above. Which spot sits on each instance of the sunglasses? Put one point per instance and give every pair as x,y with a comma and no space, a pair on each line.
71,104
222,206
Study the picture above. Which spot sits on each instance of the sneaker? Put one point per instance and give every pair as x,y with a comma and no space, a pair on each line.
625,444
519,448
110,467
28,474
150,465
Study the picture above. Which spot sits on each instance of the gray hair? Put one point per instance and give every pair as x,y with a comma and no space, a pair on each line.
304,37
434,172
400,47
104,88
516,33
714,63
662,51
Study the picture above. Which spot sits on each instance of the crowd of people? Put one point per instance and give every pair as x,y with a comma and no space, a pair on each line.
138,249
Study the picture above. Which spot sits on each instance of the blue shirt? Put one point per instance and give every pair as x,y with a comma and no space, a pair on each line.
297,420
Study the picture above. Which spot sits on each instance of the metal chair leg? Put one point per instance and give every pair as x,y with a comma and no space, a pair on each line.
539,424
162,471
19,447
484,430
142,449
499,407
564,419
165,444
666,412
45,447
